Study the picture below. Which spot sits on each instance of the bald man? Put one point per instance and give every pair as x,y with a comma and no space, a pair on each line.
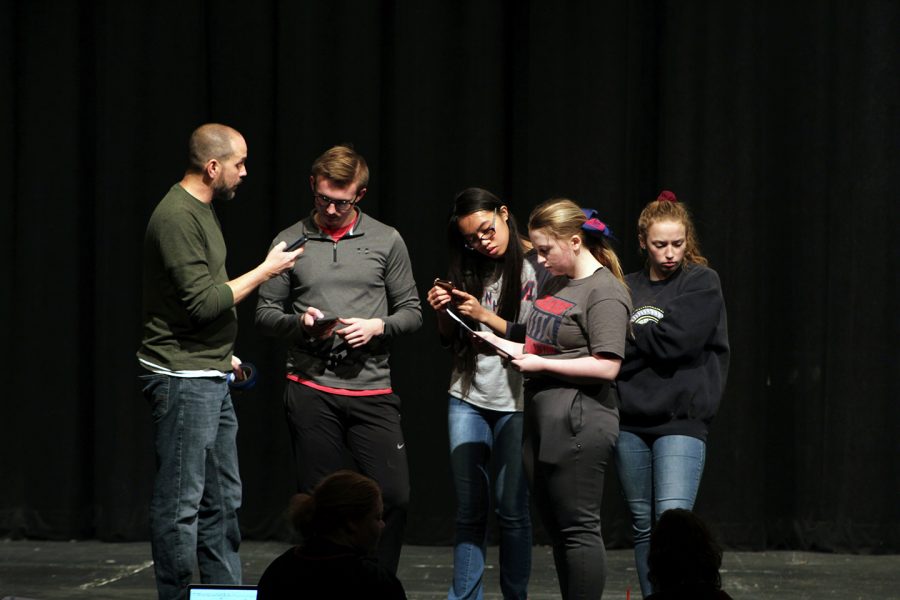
190,326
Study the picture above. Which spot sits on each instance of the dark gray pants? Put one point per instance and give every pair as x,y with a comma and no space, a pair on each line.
569,439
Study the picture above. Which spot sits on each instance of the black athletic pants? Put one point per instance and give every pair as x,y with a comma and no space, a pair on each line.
325,426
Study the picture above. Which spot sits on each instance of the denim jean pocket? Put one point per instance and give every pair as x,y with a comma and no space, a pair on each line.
156,389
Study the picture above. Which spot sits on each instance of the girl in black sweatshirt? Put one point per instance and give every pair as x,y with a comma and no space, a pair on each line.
674,372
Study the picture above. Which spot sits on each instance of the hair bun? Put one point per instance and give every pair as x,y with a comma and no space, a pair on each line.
666,196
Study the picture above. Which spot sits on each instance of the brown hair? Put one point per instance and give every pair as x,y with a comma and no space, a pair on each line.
208,142
341,498
667,208
563,219
343,165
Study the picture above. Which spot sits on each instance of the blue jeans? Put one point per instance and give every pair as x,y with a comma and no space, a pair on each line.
197,492
475,435
657,475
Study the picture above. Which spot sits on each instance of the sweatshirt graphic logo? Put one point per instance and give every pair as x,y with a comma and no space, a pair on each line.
543,325
647,314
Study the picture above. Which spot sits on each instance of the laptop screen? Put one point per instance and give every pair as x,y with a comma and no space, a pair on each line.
221,592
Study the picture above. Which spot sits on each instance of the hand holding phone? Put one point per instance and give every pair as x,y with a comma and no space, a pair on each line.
444,284
324,327
324,322
317,324
296,243
441,294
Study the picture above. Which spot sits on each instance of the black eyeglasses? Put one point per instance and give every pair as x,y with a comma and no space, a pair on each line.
472,241
323,201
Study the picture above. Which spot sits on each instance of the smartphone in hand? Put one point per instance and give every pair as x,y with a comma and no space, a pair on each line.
296,243
443,283
322,326
324,322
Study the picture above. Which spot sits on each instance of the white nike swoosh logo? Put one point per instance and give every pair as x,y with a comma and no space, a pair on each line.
400,446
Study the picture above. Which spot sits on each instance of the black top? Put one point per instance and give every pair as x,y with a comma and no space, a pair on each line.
676,363
691,592
323,569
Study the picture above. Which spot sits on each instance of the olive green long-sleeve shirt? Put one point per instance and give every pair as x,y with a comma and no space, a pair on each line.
190,322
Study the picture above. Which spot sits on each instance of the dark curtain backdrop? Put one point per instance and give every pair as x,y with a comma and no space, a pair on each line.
775,121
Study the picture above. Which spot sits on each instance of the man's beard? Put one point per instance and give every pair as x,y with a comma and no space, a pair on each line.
224,193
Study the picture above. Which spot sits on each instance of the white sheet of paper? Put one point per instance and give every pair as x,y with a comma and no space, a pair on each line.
504,348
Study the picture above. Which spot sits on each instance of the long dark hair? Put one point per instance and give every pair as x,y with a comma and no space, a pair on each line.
472,271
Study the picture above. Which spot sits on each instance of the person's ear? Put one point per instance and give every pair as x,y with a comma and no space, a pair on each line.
575,242
212,168
312,183
504,212
361,193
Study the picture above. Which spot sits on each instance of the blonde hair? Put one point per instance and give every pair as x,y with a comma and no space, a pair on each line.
343,165
667,208
562,218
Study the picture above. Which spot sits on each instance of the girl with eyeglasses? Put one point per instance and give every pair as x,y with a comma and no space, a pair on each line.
674,372
574,348
494,281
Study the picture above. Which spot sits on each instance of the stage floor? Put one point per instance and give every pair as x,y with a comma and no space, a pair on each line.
101,571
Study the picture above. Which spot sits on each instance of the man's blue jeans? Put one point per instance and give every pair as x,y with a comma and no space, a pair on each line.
197,492
656,476
478,438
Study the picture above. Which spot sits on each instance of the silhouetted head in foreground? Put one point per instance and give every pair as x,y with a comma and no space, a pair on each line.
684,556
345,508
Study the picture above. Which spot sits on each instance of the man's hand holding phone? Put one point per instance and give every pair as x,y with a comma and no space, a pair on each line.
316,324
279,259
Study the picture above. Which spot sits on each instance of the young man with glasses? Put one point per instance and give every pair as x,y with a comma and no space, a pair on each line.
338,396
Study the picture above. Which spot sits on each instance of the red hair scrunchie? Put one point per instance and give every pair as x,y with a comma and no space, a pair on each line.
666,196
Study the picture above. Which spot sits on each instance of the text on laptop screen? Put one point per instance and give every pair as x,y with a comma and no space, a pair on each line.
235,593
